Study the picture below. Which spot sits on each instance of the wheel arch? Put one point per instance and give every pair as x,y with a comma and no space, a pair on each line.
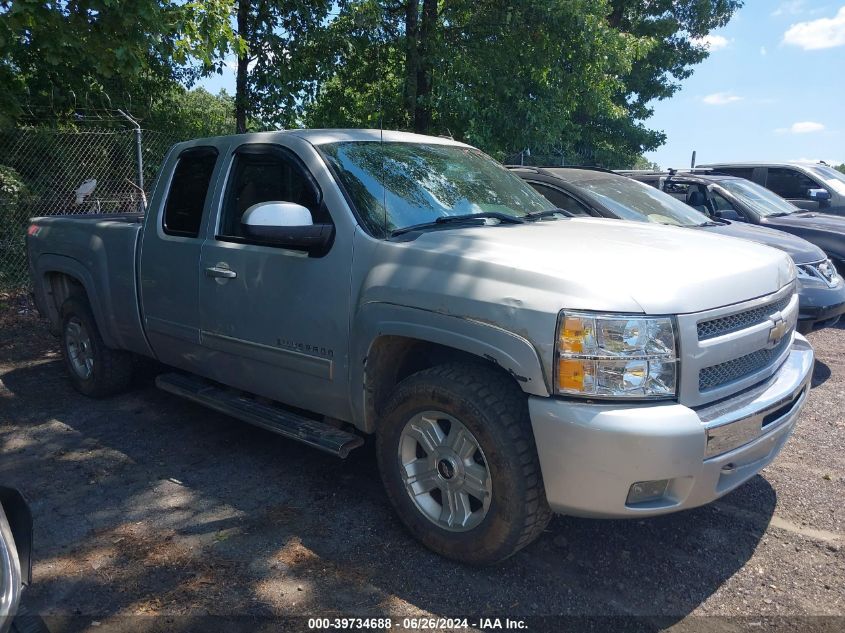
398,342
59,277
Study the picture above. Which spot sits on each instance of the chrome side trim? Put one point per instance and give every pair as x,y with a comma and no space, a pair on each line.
736,421
276,356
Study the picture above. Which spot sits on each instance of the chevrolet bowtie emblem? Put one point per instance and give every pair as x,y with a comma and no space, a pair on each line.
779,329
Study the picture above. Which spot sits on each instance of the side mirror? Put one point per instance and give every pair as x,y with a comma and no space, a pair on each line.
729,214
285,224
819,195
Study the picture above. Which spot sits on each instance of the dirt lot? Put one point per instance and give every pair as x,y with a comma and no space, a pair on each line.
146,505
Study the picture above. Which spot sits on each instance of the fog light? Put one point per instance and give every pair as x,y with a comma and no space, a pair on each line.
644,491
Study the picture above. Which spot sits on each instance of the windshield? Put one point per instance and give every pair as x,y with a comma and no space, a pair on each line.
632,200
759,199
396,185
831,177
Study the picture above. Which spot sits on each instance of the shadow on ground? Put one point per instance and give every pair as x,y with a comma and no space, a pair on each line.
146,504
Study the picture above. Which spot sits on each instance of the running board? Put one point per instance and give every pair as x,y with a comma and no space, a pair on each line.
273,418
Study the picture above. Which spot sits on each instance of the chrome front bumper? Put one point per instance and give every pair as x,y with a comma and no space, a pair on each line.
592,454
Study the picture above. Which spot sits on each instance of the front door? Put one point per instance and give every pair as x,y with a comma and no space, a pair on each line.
275,319
793,185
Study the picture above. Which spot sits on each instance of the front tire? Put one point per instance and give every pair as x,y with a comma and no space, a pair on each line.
458,461
94,369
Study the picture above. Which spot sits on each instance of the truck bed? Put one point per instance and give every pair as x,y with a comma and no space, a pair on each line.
102,251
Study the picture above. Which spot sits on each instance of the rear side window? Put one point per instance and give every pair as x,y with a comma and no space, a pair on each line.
188,191
561,200
790,183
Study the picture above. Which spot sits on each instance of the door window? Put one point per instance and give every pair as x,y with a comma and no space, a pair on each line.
790,183
188,191
562,200
271,175
739,172
720,203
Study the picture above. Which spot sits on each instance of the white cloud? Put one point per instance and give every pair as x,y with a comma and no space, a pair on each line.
763,51
791,7
721,98
712,42
801,127
817,34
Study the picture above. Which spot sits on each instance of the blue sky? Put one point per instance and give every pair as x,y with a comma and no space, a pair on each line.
773,88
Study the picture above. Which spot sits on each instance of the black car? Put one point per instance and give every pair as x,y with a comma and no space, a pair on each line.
734,198
587,191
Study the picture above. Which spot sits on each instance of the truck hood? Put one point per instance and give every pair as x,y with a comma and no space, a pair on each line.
800,250
579,263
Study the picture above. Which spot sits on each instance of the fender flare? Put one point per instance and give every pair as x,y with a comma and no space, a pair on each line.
511,352
50,263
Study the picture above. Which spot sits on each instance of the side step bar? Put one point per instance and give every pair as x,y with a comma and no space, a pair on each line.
273,418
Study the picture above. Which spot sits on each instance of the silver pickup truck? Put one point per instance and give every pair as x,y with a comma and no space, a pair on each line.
511,362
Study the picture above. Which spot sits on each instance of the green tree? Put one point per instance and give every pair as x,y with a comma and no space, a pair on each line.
65,54
677,28
276,50
567,78
641,162
840,168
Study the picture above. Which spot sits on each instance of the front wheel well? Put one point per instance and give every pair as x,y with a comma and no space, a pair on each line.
391,359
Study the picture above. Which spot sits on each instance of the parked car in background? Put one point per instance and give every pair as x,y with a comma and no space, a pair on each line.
588,191
511,362
807,185
737,199
15,554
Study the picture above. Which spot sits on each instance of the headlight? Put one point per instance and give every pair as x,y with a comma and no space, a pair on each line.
821,272
615,356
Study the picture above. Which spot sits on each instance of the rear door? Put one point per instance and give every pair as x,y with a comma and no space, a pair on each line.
277,325
170,254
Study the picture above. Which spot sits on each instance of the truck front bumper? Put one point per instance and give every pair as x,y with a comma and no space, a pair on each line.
631,460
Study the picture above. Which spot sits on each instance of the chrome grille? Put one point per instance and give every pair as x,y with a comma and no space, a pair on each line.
718,375
740,320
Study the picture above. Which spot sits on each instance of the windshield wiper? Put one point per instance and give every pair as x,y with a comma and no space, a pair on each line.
467,218
548,213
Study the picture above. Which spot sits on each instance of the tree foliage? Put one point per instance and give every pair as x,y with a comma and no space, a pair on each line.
277,50
570,78
60,54
574,79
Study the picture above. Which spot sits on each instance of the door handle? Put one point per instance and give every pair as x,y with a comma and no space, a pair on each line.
220,272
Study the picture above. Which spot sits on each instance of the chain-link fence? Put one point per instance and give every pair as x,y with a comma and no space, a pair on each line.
80,167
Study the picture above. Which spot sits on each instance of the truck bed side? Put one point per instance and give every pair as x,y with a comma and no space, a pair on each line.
99,254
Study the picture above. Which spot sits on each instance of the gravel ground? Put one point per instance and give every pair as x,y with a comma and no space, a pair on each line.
146,505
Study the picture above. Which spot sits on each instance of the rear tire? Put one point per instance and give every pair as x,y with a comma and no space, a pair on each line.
94,369
457,457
